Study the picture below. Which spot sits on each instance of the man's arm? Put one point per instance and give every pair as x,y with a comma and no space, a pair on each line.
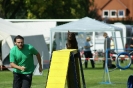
13,65
39,61
86,47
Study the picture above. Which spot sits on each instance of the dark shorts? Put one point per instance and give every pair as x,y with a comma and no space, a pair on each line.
22,80
88,54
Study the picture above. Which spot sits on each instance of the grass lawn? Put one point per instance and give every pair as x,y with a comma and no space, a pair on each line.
93,78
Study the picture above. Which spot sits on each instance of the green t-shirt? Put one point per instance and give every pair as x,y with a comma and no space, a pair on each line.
23,57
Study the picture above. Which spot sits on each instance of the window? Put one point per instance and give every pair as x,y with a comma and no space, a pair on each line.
105,13
113,13
121,13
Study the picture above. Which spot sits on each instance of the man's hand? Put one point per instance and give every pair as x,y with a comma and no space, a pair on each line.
39,61
40,68
131,45
22,68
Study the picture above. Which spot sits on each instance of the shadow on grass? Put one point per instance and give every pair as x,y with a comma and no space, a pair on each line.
97,68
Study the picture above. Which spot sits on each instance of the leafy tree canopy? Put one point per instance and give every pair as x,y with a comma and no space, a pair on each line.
45,9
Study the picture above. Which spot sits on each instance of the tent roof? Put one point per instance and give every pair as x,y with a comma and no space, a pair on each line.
37,27
11,29
85,24
7,28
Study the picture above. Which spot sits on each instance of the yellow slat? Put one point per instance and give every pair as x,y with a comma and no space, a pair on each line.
60,59
58,68
55,86
58,80
58,72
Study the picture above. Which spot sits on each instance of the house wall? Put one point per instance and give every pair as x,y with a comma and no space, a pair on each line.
129,4
114,5
131,8
100,3
126,5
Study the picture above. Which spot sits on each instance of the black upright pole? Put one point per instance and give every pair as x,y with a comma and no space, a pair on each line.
82,73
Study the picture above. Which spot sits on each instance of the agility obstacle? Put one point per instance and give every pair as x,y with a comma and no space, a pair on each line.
118,62
106,76
64,70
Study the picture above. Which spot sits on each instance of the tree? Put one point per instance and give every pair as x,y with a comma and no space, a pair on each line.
44,9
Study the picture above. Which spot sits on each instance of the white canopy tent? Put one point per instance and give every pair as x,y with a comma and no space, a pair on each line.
36,27
7,33
85,24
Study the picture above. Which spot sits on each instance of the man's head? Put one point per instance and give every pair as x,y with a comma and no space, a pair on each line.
105,34
19,41
88,38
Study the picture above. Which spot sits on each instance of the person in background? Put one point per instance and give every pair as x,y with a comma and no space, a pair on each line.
112,46
88,53
21,60
54,44
131,47
107,50
126,47
0,64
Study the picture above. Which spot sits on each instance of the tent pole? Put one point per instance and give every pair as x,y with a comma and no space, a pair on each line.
94,47
115,42
51,43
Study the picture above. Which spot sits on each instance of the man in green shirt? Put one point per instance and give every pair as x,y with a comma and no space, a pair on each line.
21,59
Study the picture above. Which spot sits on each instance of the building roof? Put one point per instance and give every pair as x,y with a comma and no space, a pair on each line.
119,5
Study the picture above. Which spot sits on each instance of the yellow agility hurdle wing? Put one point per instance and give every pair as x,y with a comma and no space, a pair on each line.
58,68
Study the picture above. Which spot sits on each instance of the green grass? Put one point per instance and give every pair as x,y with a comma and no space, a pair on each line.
93,78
